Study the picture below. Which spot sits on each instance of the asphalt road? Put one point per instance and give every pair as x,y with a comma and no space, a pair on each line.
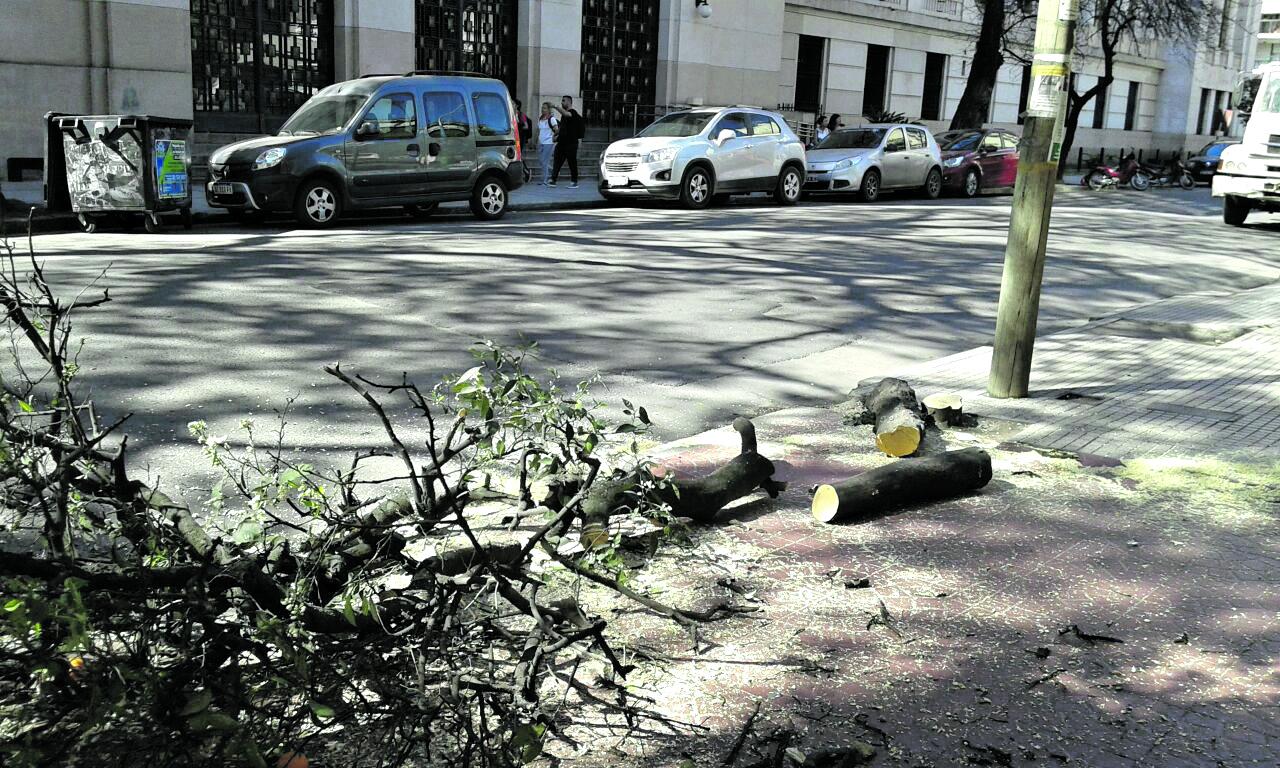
698,316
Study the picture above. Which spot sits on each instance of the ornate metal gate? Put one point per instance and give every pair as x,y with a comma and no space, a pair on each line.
619,59
253,62
468,36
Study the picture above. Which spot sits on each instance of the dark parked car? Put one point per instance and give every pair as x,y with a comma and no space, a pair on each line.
978,161
1204,164
378,142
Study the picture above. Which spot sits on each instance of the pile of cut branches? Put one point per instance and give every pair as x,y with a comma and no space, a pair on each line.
352,615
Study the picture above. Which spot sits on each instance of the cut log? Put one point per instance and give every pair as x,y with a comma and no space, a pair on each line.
902,483
947,410
898,417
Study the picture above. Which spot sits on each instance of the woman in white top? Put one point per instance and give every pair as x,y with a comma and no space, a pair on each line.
548,127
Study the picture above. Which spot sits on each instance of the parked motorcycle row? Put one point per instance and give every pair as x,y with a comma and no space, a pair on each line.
1138,176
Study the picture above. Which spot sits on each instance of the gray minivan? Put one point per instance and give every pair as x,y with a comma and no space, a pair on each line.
380,141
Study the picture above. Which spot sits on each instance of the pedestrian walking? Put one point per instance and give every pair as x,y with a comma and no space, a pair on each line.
548,126
572,130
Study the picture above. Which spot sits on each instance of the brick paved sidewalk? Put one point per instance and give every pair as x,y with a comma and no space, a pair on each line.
1196,375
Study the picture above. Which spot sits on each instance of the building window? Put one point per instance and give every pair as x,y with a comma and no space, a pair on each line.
1024,94
935,76
1206,104
1131,106
1100,108
876,85
468,36
810,71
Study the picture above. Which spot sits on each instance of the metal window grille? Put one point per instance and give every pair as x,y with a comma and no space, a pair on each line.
253,62
468,36
619,59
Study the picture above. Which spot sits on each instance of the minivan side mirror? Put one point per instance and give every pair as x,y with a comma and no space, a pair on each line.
368,129
725,135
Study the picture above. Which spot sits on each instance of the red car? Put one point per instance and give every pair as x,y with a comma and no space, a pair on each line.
978,161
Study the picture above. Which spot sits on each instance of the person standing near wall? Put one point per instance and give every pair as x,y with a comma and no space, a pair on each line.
523,124
548,126
572,130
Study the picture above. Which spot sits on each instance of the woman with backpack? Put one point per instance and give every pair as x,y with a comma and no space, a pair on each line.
548,127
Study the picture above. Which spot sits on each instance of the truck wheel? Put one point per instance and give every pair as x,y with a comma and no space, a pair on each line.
318,204
1234,210
489,199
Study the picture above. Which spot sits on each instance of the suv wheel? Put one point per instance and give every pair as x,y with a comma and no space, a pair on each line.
317,205
1235,210
695,191
870,189
421,210
933,184
789,184
489,199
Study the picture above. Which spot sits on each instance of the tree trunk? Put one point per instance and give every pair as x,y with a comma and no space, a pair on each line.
897,415
988,56
903,482
1074,108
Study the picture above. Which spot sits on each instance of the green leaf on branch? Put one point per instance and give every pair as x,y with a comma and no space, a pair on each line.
197,704
322,711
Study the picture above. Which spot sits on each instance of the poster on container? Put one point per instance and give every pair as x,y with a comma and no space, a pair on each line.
104,173
173,182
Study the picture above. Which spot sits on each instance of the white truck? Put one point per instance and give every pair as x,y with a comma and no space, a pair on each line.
1248,177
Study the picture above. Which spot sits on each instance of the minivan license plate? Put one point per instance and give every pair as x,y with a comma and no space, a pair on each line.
222,189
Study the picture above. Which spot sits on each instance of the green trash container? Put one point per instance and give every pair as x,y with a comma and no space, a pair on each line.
118,166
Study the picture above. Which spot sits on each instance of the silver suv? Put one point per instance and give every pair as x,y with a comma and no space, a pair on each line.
702,155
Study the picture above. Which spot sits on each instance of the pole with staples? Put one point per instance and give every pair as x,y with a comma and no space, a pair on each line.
1040,151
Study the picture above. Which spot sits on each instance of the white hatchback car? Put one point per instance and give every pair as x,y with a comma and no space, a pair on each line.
702,155
871,158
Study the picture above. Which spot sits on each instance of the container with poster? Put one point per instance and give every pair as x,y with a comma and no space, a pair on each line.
118,166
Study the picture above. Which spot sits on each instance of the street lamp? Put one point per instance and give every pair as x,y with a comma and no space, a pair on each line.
704,8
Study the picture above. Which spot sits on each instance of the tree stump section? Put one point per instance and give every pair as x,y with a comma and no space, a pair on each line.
902,483
947,410
897,416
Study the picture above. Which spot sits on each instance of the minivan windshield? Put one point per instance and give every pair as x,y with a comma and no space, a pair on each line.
857,138
959,141
678,125
324,114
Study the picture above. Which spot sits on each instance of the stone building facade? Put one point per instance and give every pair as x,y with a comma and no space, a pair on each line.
241,66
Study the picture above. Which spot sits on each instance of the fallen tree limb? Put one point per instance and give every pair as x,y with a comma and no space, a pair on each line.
901,483
698,499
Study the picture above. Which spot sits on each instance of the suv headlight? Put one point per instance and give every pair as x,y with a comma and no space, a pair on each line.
954,162
269,158
664,155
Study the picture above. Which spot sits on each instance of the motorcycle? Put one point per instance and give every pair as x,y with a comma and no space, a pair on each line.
1130,173
1174,172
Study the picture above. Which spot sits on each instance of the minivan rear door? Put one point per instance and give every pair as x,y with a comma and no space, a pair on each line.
451,143
383,163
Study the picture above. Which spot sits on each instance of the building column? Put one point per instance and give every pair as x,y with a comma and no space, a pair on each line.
373,37
549,53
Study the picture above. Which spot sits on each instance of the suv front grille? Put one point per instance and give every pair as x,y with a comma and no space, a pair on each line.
621,163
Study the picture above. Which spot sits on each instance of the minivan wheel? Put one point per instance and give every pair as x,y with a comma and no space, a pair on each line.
695,192
972,184
933,184
789,185
869,192
421,210
489,199
317,205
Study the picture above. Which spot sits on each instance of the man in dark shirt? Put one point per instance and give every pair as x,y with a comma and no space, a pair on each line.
571,131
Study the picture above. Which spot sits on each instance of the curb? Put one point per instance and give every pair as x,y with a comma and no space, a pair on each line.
15,225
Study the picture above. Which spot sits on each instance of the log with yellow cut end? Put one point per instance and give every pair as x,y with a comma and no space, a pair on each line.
895,485
898,417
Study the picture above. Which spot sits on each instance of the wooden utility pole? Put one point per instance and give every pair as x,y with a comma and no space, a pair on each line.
1040,150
